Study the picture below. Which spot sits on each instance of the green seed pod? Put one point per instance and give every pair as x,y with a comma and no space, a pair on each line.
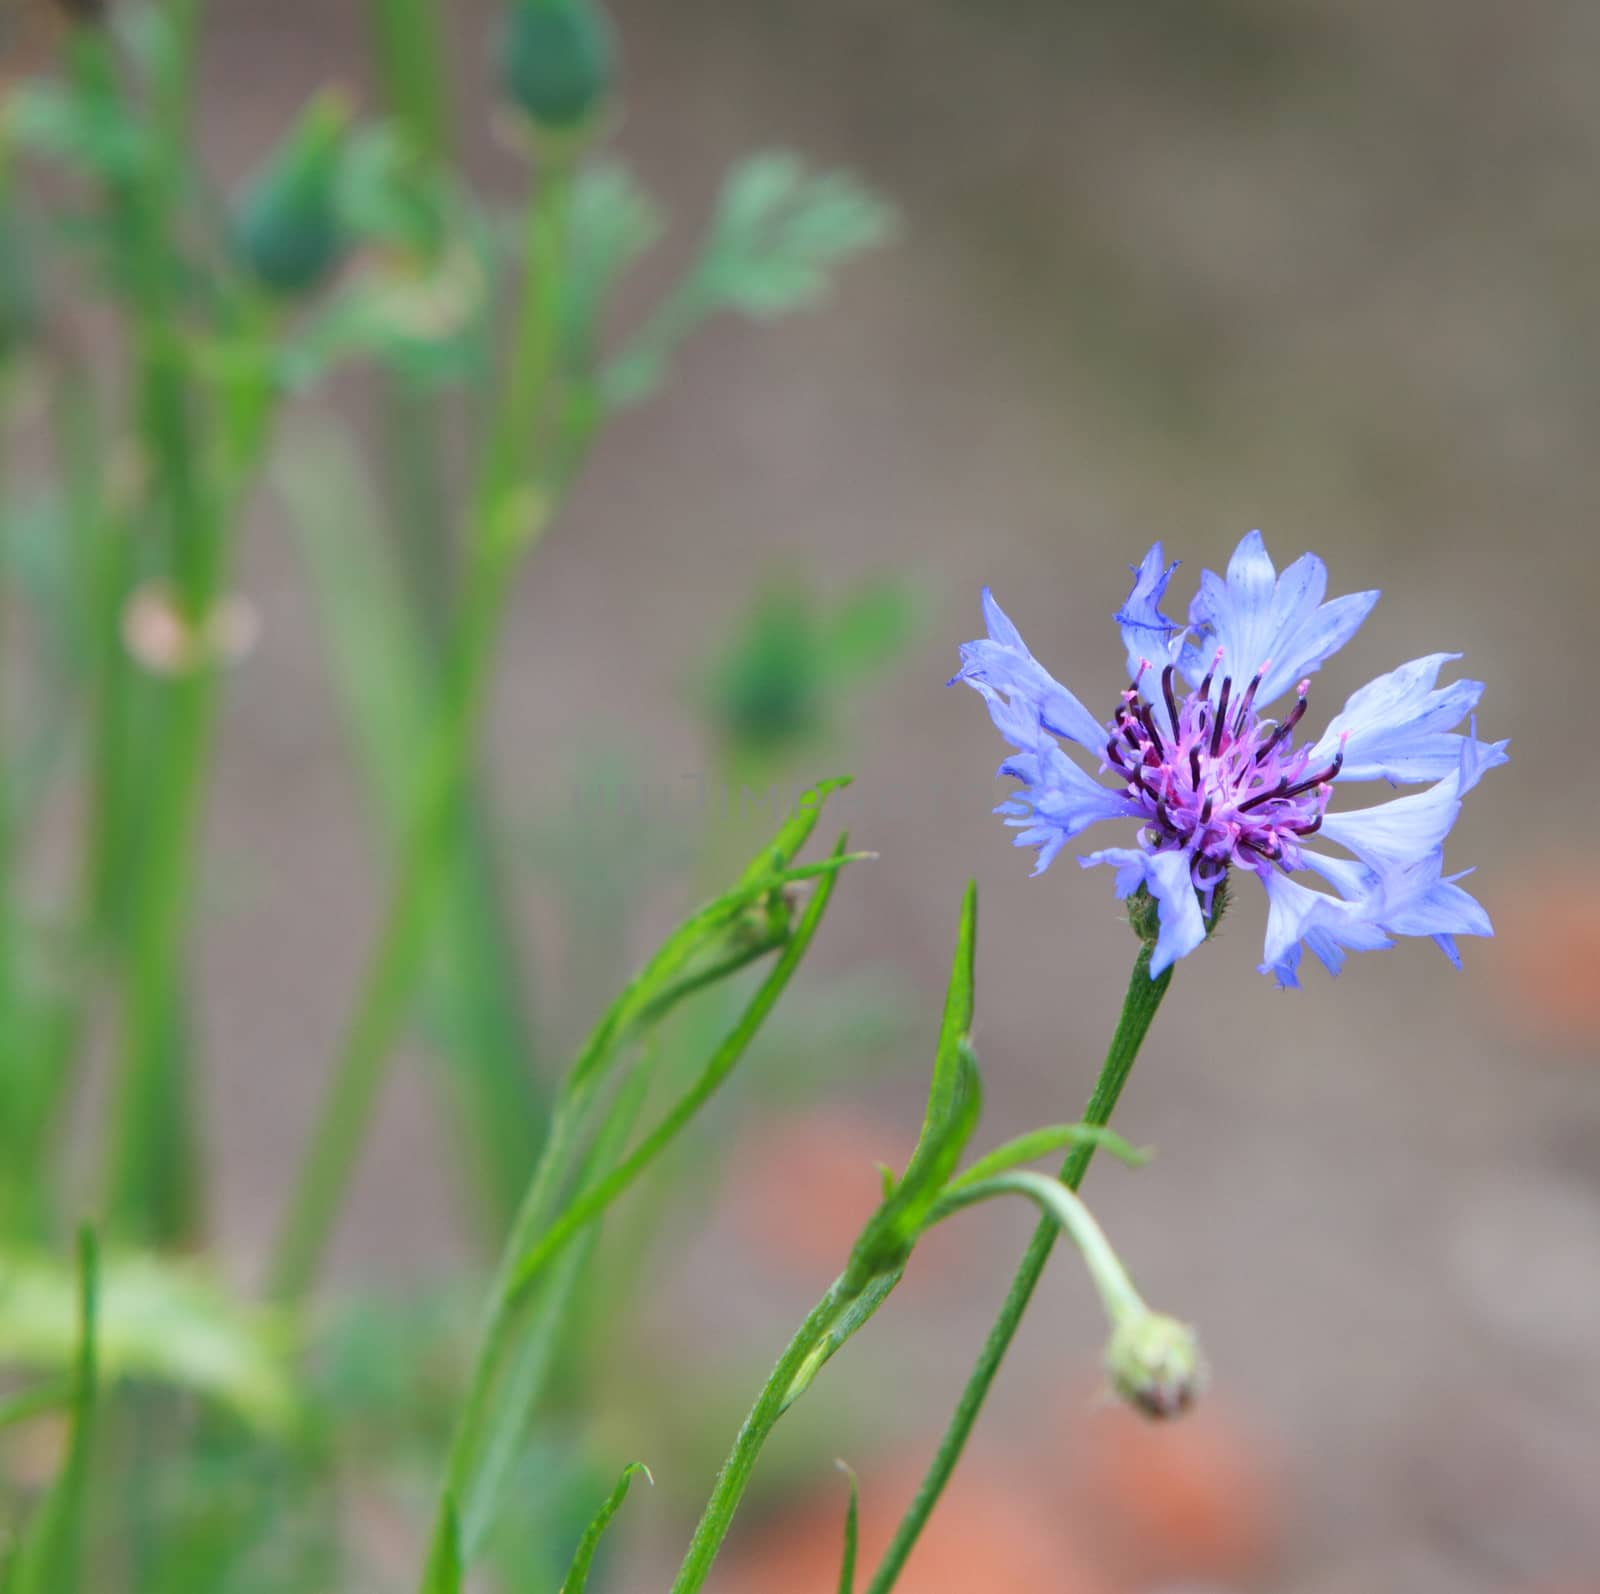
1154,1363
287,230
556,61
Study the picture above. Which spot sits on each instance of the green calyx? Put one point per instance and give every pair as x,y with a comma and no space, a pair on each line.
556,61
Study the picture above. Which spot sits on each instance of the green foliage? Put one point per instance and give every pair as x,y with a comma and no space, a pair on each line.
776,236
586,1163
234,1444
577,1579
158,1320
847,1566
49,1559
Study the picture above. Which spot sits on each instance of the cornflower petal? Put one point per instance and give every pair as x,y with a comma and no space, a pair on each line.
1004,664
1166,874
1399,728
1258,618
1147,633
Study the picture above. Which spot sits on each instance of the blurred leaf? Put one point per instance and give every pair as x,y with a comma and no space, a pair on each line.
847,1568
159,1320
87,130
775,239
577,1580
472,992
613,223
50,1557
779,231
443,1574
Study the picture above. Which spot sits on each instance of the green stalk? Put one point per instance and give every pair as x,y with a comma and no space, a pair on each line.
151,1172
150,1175
506,519
1138,1009
409,40
806,1346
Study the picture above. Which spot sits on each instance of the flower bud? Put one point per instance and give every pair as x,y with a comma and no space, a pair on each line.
555,61
1154,1363
287,231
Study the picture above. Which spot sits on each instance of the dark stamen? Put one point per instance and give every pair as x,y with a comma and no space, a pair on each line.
1280,790
1194,766
1303,785
1222,715
1171,701
1147,719
1205,811
1247,702
1291,720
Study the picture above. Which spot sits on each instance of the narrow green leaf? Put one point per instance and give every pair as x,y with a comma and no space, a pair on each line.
847,1569
517,1360
577,1578
443,1575
955,1098
1041,1142
762,879
592,1203
50,1560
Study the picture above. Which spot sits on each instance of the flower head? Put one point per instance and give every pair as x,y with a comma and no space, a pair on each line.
1219,786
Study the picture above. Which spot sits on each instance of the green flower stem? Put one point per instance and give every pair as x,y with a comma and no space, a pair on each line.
151,1187
507,516
807,1347
1138,1009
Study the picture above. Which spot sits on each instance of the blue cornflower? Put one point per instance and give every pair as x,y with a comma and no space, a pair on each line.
1217,787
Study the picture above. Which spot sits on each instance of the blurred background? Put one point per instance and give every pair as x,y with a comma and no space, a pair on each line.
1174,270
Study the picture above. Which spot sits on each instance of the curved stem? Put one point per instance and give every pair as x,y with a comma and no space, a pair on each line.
1138,1009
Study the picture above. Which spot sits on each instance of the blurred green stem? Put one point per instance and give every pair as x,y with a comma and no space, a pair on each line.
150,1170
409,36
507,516
1138,1010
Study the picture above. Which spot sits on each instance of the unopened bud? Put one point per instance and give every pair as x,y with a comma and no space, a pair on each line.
1154,1363
555,61
287,230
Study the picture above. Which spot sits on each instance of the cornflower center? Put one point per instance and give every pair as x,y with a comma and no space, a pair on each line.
1216,780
